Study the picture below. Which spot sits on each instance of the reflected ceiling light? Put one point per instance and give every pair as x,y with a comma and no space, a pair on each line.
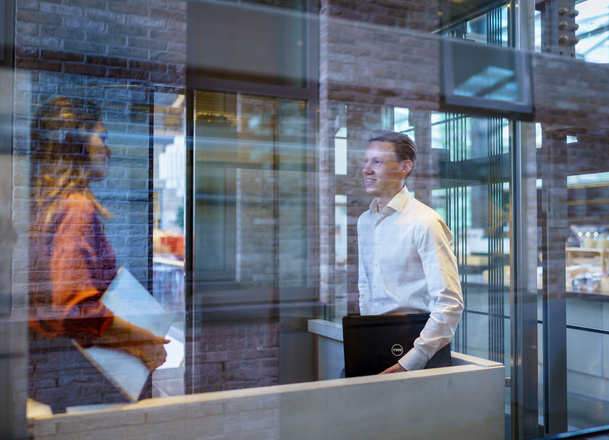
179,101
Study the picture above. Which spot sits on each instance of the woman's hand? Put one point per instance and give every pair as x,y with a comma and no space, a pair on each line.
135,341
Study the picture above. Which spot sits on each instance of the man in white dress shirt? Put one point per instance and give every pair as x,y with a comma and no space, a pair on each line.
406,263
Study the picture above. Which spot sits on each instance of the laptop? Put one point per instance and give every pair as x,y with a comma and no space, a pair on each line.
373,343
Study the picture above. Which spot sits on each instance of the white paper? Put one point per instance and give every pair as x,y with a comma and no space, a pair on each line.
129,300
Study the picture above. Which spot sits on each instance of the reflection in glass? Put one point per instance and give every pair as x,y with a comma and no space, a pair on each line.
251,235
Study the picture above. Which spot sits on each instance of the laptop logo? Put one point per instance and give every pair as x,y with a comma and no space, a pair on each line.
397,350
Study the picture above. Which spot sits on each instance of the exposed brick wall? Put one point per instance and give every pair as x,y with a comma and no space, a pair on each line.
416,15
256,225
567,93
365,64
143,40
115,53
125,191
230,356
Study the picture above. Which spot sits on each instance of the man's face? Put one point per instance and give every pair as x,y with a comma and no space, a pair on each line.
383,174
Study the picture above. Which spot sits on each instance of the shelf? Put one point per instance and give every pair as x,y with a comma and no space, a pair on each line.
592,256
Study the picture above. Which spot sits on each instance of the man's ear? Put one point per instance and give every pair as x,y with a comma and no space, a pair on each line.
407,166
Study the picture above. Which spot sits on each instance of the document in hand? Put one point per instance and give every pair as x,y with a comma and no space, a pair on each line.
129,300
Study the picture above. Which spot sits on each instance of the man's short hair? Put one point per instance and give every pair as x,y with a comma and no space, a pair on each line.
405,148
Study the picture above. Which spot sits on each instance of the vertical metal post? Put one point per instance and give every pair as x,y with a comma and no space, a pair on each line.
524,297
189,379
554,225
524,386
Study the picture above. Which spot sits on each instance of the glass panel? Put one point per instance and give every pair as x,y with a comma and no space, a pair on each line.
340,301
251,238
213,150
466,180
586,284
102,221
267,58
169,192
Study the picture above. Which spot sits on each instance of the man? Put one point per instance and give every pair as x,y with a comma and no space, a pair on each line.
406,264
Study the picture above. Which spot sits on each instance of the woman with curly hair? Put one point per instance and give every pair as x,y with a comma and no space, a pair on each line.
71,260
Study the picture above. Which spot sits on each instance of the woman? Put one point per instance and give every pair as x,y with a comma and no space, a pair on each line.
71,261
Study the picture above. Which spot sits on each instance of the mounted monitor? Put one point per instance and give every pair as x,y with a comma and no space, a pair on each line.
489,80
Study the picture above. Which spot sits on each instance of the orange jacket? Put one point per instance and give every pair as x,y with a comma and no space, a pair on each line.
71,265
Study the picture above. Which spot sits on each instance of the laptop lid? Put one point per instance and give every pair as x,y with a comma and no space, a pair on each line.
373,343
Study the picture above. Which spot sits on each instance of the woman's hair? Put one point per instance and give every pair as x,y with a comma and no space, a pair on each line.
404,147
59,135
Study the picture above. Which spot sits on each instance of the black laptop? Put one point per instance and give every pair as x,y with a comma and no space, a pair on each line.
373,343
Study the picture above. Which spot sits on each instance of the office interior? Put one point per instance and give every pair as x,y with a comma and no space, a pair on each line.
237,132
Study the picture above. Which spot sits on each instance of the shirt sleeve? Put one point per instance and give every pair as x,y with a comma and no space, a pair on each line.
78,268
433,240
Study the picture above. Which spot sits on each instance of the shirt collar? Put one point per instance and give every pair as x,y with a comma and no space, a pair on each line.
398,203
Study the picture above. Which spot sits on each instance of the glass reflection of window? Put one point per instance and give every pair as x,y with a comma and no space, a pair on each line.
250,153
402,122
168,202
593,31
485,76
489,28
168,232
340,142
492,82
340,249
438,202
215,221
340,151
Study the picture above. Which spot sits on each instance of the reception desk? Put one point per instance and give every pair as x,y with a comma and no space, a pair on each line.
465,401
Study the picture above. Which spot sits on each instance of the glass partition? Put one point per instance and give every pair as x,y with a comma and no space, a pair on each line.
253,230
207,159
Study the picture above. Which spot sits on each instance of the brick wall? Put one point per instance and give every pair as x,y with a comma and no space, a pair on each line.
416,15
256,226
229,355
143,40
115,53
271,229
367,65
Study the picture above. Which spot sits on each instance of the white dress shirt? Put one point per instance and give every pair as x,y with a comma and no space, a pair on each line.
406,265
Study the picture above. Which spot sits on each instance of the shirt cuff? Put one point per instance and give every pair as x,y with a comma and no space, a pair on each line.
413,360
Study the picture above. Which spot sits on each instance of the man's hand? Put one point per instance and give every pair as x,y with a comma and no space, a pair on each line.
397,368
